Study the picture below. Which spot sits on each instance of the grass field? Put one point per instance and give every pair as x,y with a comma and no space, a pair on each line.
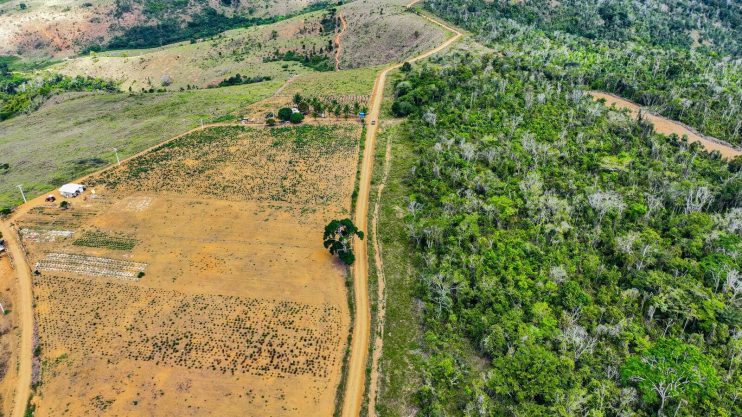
76,135
164,315
204,63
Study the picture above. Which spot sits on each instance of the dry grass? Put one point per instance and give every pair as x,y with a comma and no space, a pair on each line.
207,62
60,28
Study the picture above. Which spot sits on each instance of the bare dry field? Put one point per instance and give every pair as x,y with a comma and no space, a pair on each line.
384,31
194,282
8,336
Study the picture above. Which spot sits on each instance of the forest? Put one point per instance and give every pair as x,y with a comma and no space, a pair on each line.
679,58
20,93
570,261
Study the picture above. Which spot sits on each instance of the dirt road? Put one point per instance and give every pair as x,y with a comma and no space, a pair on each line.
25,315
356,376
338,39
667,127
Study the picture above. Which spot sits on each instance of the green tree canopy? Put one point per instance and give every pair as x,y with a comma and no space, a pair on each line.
671,370
338,239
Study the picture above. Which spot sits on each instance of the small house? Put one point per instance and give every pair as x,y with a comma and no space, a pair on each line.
71,190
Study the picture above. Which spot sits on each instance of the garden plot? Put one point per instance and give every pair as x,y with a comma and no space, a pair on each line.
241,311
230,163
91,266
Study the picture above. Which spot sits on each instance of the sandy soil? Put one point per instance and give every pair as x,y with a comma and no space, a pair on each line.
667,127
9,336
234,315
356,375
25,314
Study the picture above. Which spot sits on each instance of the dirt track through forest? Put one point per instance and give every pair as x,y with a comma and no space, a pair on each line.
356,372
338,39
667,127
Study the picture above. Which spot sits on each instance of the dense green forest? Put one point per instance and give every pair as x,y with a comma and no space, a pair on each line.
21,93
680,58
570,261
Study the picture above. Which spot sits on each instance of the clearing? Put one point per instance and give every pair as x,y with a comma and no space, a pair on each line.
236,307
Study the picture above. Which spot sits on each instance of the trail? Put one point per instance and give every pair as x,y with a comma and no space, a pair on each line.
25,315
373,384
356,376
338,38
667,126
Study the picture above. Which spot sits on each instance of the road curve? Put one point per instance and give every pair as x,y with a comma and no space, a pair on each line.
25,315
356,372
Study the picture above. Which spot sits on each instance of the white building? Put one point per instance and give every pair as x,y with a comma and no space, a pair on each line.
71,190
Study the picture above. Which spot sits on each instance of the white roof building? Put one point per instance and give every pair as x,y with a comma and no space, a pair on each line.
71,190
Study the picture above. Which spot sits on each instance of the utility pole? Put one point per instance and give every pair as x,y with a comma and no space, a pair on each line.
20,187
116,151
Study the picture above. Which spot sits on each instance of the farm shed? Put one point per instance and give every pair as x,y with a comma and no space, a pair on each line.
71,190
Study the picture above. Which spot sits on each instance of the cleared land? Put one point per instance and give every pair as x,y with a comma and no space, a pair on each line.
384,31
75,134
238,309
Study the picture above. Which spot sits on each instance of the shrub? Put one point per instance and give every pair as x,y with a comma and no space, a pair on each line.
297,118
285,114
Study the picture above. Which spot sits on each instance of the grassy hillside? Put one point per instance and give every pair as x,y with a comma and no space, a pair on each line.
381,31
62,28
250,52
75,134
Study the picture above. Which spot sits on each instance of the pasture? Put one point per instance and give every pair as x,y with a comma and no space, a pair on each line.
75,134
194,282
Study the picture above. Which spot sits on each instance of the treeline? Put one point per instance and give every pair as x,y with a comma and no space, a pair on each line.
168,26
570,260
22,93
240,80
316,61
692,85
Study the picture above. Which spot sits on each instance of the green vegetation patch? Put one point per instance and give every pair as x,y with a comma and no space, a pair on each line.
564,258
100,239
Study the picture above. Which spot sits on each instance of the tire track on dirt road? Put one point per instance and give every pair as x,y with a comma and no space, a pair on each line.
356,372
338,39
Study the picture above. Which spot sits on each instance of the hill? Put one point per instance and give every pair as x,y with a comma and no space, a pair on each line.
61,28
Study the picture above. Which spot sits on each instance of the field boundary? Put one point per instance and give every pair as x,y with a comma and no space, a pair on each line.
355,390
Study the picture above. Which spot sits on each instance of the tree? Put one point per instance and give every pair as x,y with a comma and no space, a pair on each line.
338,239
669,370
285,114
296,118
406,67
